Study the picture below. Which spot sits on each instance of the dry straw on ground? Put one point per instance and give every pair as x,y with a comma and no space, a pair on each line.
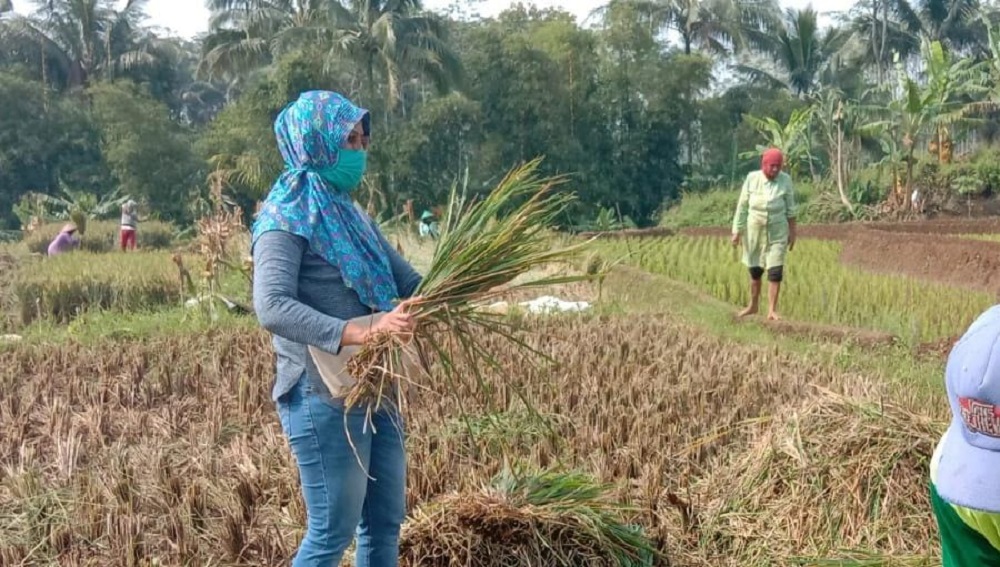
10,258
169,449
828,473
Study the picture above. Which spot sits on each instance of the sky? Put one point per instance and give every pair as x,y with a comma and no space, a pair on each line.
189,17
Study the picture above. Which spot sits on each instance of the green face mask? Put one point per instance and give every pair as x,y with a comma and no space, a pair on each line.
347,174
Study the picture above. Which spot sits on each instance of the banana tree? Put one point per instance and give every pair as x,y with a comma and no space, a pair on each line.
80,206
991,73
836,119
793,139
931,107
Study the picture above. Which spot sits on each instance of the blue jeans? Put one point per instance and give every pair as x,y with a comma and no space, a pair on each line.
340,499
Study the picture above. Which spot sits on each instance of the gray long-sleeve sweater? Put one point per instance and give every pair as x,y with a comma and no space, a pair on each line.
301,299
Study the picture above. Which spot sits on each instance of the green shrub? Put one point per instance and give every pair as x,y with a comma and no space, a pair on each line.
103,236
63,286
711,208
716,207
976,174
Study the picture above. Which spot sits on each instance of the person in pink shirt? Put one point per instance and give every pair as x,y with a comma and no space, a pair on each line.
65,241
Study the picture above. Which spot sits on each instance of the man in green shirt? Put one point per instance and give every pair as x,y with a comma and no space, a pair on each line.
965,468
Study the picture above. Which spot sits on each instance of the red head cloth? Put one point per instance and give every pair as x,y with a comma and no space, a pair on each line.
771,157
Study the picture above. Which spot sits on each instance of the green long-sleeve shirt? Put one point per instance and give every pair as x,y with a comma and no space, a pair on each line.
766,203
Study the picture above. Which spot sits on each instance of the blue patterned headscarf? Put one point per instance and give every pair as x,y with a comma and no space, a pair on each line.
310,132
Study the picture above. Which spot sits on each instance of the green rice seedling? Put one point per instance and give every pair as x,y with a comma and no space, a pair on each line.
64,286
818,287
103,236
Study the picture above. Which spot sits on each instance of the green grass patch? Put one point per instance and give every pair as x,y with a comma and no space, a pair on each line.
716,208
103,236
97,326
982,237
63,287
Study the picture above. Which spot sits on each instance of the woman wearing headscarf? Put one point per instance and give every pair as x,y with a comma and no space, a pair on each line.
65,241
325,278
765,222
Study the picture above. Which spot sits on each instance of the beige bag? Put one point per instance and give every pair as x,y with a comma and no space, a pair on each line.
333,367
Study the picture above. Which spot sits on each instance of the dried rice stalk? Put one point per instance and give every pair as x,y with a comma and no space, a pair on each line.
834,465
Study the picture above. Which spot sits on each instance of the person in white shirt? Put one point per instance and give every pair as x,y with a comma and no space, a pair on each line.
130,222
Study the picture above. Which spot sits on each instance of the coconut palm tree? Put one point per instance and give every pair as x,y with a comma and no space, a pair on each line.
883,28
954,23
388,40
714,26
880,28
246,35
391,40
801,57
75,40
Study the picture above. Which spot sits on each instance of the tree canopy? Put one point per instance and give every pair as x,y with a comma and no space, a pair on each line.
652,100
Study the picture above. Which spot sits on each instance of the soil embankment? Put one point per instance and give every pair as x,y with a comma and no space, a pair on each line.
966,263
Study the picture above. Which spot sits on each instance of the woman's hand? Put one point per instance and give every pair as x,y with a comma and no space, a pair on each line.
791,241
735,239
398,321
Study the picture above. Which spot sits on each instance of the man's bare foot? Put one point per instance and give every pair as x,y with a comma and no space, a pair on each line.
752,310
772,316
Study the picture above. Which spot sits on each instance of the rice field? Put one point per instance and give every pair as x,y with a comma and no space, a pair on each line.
168,451
63,287
134,432
103,236
818,287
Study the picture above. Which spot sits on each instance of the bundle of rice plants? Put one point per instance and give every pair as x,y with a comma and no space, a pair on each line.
544,519
487,248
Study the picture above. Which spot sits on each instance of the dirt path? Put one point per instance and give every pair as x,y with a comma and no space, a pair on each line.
939,349
847,230
941,226
817,231
651,232
964,263
831,333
